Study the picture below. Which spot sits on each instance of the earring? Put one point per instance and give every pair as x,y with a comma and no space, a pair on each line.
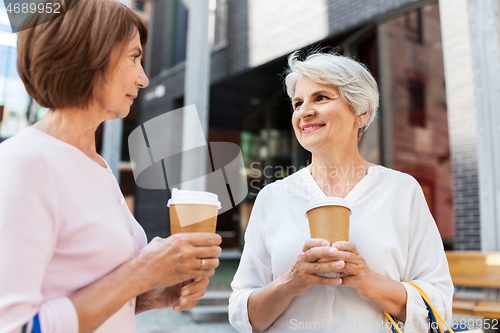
359,123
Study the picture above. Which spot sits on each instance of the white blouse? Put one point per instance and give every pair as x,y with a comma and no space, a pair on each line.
392,229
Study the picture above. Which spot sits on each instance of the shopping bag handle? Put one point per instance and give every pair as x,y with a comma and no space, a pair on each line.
432,313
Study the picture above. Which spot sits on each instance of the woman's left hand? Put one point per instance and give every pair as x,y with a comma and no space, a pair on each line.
355,272
181,296
388,294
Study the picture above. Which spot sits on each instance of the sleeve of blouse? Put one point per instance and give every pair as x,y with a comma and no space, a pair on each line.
254,270
427,267
28,236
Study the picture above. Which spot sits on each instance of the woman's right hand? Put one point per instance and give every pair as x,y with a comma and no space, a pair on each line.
314,259
266,304
170,261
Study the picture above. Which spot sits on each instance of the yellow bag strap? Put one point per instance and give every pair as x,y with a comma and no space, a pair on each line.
436,313
439,318
391,321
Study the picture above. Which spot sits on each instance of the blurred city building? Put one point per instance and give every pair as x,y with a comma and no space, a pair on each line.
401,43
436,64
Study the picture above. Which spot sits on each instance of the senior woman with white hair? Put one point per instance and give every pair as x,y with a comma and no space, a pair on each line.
392,238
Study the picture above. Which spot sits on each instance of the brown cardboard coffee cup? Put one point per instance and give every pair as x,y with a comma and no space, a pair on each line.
193,211
329,219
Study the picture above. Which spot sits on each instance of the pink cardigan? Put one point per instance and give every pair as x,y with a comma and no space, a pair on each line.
64,224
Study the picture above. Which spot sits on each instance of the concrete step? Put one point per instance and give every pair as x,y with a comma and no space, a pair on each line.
230,254
213,306
215,297
209,313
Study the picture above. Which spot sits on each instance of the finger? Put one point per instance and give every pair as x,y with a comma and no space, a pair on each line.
344,256
316,253
200,238
326,281
310,243
339,264
196,282
316,268
205,264
327,259
346,281
346,246
333,256
194,257
207,251
195,287
191,298
178,307
352,269
203,273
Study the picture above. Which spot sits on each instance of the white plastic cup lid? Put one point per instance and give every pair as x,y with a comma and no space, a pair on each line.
186,197
328,201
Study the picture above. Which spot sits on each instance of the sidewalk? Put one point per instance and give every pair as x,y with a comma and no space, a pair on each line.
169,321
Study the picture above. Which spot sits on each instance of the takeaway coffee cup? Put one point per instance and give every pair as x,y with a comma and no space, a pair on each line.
193,211
329,219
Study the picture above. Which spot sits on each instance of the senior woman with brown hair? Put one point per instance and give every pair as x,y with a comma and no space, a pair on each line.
72,256
392,238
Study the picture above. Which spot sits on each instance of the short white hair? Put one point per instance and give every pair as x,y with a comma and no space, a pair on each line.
352,79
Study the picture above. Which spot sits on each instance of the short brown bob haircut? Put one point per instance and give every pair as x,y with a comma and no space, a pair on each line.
64,62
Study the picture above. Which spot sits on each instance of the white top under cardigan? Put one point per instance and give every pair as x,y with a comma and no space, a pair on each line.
64,224
392,229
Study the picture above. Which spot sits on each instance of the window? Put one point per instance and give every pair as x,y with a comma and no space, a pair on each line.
139,5
168,36
413,23
218,24
416,87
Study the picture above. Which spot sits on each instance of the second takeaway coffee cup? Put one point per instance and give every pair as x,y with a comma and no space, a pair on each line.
329,219
193,211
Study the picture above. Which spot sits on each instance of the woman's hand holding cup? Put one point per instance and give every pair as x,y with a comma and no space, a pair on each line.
178,258
315,258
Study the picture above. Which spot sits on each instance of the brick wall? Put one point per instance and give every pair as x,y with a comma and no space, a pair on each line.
462,122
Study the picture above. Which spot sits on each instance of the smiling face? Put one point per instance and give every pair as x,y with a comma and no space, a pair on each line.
321,118
123,81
